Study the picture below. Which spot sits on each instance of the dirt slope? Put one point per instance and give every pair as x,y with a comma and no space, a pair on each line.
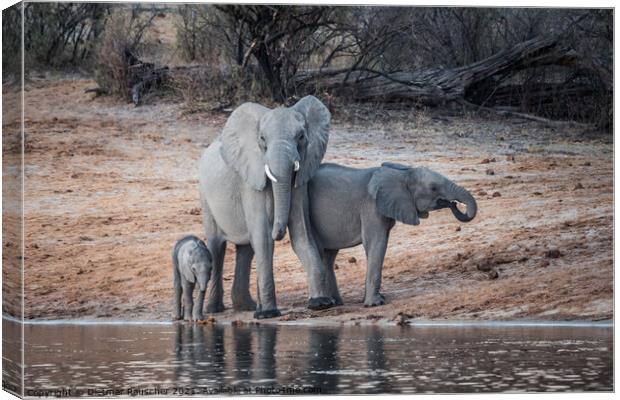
110,187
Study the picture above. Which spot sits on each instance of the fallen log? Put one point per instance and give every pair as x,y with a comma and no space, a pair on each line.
439,86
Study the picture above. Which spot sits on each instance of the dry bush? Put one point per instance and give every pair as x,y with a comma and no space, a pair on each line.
213,88
118,47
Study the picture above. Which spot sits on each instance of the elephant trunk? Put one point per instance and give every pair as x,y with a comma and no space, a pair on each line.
463,196
280,170
281,208
203,280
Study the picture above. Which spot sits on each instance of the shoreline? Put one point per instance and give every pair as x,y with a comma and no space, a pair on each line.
422,323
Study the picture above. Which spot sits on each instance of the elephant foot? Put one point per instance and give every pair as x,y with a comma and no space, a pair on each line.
213,308
321,303
244,305
376,299
338,300
267,314
176,317
198,317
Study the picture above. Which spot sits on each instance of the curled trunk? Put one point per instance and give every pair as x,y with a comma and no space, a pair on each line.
461,195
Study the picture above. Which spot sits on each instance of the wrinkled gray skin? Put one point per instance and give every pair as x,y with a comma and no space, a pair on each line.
351,206
191,262
252,178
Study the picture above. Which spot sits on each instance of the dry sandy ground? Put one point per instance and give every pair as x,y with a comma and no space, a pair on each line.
109,188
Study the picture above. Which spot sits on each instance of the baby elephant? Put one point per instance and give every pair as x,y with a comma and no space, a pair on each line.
191,261
351,206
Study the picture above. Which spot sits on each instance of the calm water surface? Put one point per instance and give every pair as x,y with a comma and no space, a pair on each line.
199,359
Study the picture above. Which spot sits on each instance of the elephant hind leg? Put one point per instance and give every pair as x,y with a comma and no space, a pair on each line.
217,247
241,298
329,259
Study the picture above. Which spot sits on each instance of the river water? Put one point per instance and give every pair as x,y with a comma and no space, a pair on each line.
174,359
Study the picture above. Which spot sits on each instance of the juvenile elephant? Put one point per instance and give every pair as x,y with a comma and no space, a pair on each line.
191,263
251,178
351,206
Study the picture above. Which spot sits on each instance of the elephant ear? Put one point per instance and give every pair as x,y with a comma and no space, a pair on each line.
388,187
318,119
240,148
187,273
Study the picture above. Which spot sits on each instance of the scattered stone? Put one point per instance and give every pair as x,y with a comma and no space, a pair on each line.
493,274
166,188
482,193
86,238
195,211
553,253
578,186
488,160
484,267
509,177
352,260
587,164
497,194
537,194
490,172
74,176
401,319
510,157
336,266
544,264
458,229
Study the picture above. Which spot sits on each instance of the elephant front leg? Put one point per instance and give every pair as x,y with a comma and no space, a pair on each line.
263,247
321,285
197,312
188,301
375,246
329,258
217,247
241,298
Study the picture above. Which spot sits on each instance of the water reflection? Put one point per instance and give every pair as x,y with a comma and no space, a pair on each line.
335,359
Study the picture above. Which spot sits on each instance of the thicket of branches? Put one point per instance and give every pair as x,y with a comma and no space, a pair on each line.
554,63
338,47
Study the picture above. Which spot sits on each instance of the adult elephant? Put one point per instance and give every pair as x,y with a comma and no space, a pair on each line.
251,178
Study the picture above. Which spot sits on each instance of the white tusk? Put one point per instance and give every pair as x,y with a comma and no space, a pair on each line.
269,174
296,166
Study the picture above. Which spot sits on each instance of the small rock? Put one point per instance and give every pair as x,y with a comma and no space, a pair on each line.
553,253
336,266
458,229
195,211
537,194
401,319
352,260
237,322
482,193
544,264
484,267
578,186
510,157
587,164
86,238
493,274
497,194
490,172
